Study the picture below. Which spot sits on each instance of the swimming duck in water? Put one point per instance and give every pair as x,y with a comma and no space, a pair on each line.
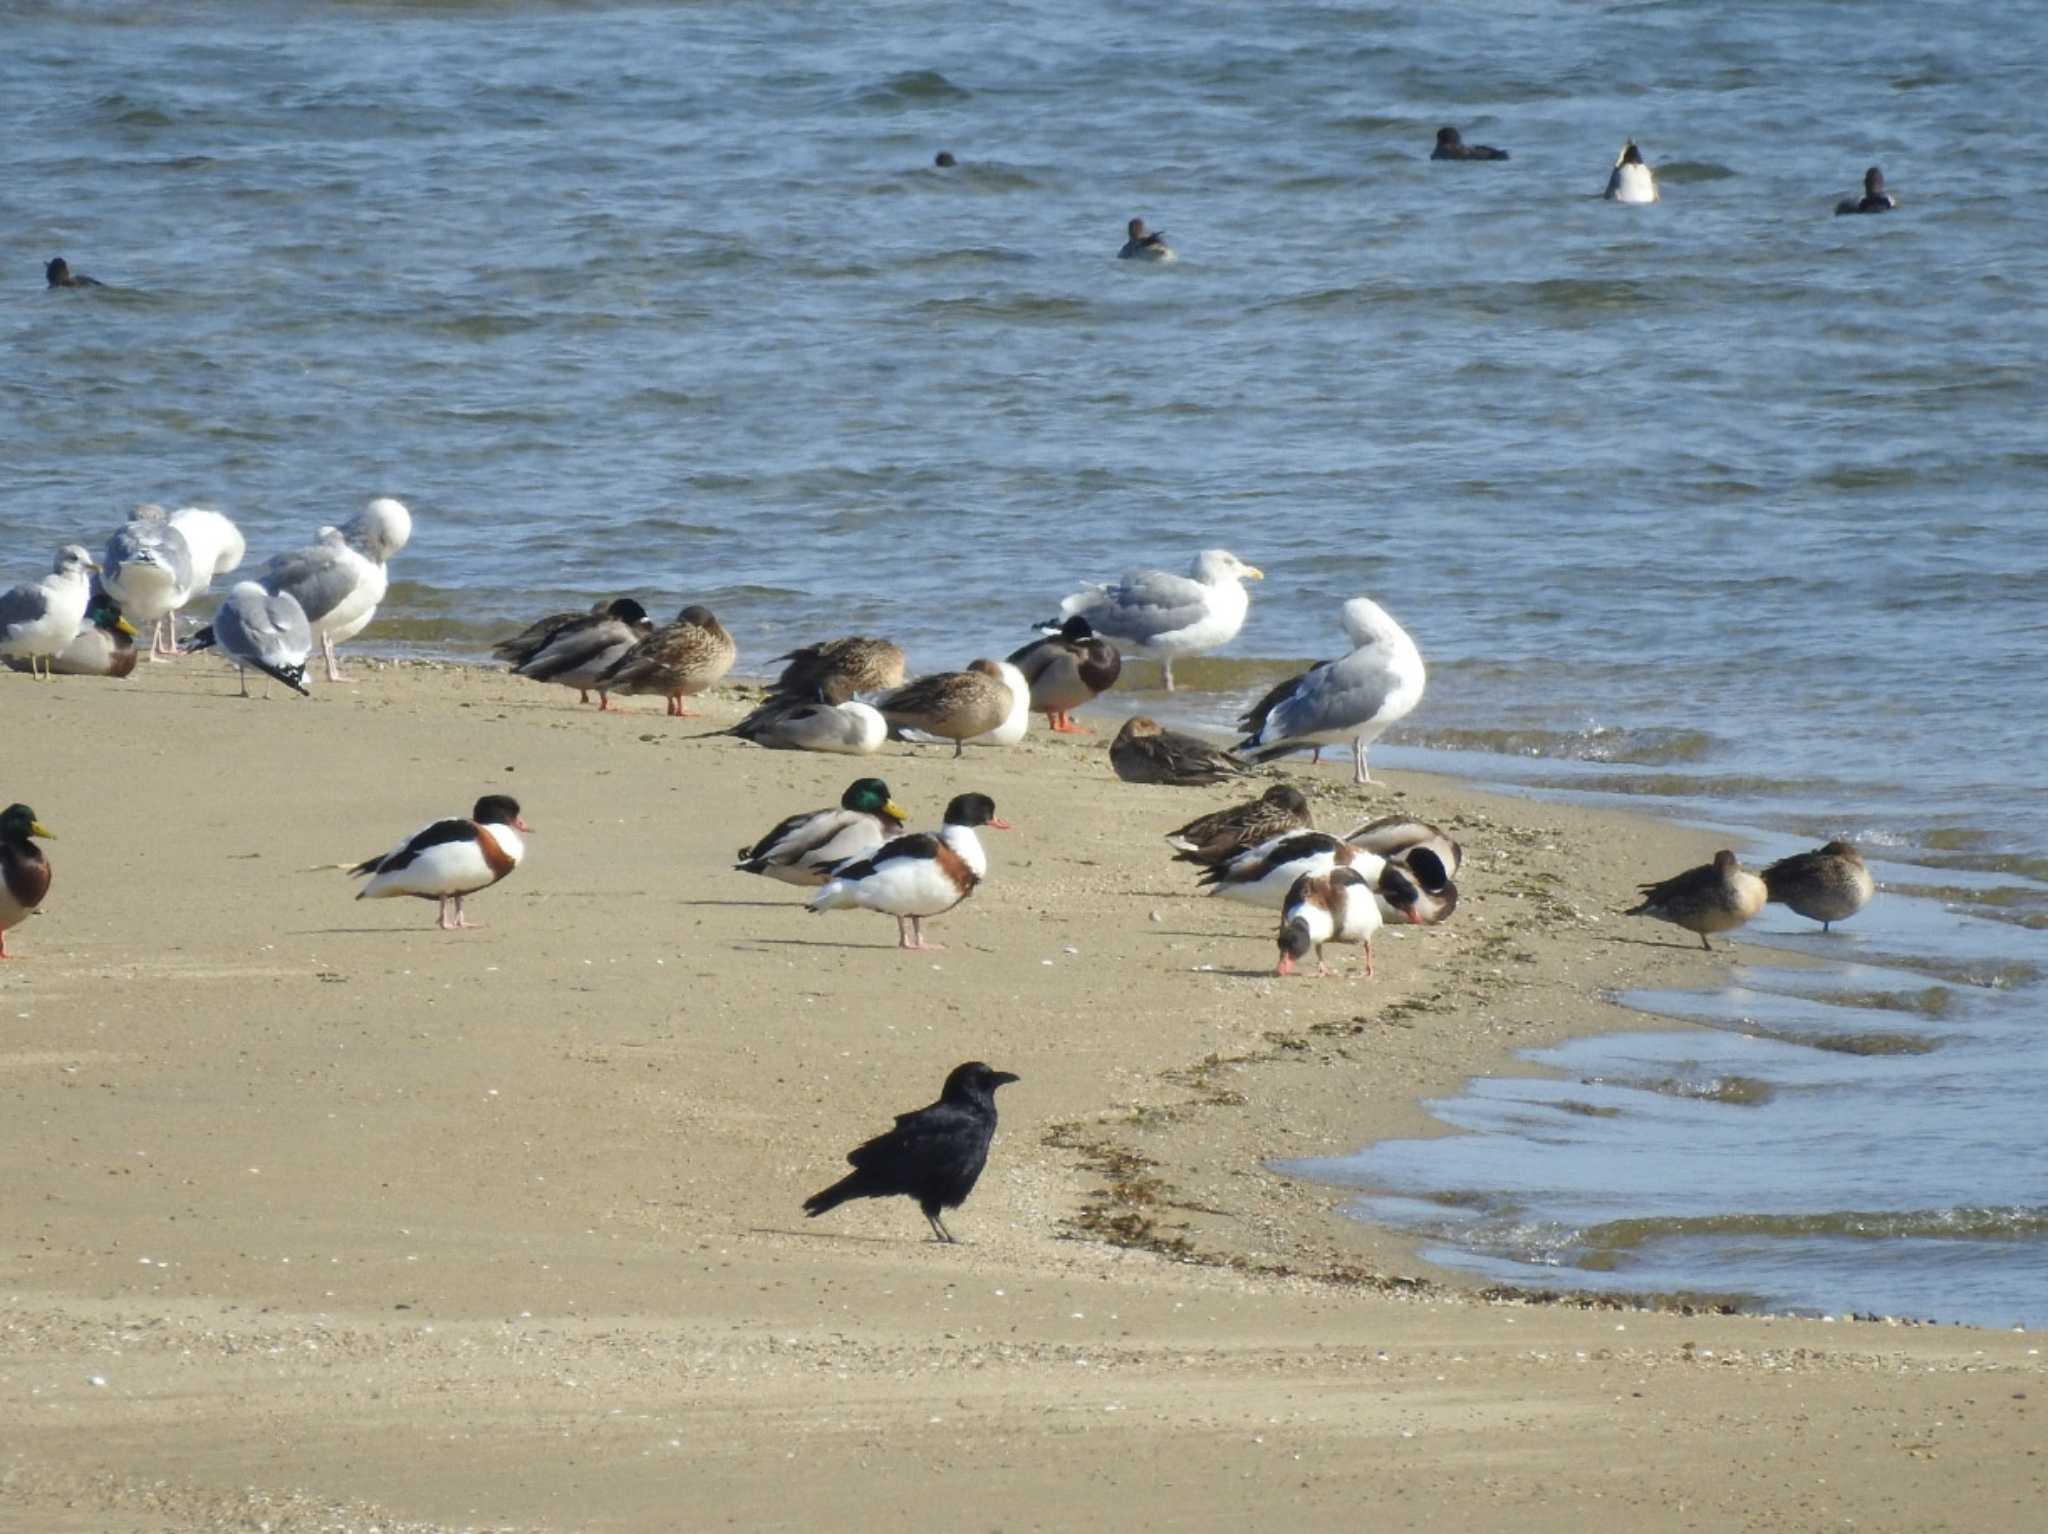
1875,198
1064,670
58,274
1144,245
1631,180
805,848
1449,146
1827,885
1715,897
24,871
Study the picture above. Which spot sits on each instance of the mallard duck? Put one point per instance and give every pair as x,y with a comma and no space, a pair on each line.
339,581
803,848
1144,751
1144,244
39,619
953,705
24,871
450,859
1630,180
1336,907
1161,615
913,877
1211,838
856,663
1715,897
1067,669
576,652
1355,698
677,661
1827,885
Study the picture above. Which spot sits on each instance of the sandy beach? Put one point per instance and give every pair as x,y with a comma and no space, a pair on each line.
319,1218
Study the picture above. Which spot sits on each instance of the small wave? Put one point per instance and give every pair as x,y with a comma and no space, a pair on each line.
1599,743
1736,1091
969,256
1687,171
1025,307
913,87
2012,1223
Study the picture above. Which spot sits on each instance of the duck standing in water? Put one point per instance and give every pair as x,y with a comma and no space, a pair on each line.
1715,897
1827,885
1631,180
1875,198
1067,669
24,871
1144,244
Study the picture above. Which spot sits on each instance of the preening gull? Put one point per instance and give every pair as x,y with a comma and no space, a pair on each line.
148,569
254,627
1161,615
39,619
339,581
216,546
1380,681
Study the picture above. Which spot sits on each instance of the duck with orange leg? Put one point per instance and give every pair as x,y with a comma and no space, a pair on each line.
912,877
450,859
1336,907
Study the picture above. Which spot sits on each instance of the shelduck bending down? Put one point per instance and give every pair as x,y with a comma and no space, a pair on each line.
1336,907
917,876
450,859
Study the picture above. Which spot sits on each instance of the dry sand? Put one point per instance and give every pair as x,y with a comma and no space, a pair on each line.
319,1218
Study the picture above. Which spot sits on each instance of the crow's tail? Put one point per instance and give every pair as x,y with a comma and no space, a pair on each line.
847,1187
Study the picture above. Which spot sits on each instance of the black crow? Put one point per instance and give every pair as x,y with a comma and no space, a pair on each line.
933,1155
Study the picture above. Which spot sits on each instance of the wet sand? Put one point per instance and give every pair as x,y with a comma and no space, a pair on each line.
319,1217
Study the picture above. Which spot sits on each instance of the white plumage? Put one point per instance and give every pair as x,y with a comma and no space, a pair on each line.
1161,615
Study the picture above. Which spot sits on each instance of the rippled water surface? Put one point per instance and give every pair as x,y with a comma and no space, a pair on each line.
1725,507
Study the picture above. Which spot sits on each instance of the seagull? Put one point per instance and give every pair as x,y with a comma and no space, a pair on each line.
1379,682
1161,615
148,570
254,628
216,546
339,581
37,620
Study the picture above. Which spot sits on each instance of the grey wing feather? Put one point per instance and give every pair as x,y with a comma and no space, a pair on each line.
24,604
1146,603
273,630
316,578
1335,697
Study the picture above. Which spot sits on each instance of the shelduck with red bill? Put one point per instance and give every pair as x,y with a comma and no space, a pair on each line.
450,859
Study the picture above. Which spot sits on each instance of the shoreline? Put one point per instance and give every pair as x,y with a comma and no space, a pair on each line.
304,1188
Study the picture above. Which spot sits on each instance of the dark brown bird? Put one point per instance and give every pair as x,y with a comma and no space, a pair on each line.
576,648
58,274
1067,669
934,1154
1144,751
1450,145
677,661
1827,885
1212,838
1715,897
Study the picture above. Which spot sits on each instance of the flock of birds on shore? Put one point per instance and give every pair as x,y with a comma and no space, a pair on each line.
849,696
